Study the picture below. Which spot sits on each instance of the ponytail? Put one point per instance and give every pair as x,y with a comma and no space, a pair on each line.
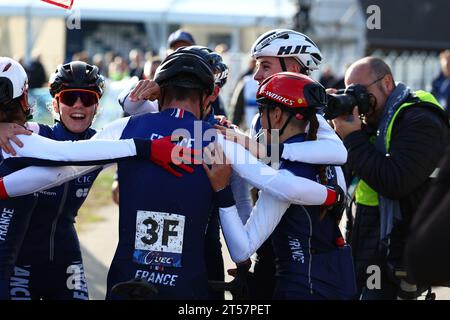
311,136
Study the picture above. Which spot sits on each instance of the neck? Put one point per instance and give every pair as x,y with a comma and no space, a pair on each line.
290,131
187,105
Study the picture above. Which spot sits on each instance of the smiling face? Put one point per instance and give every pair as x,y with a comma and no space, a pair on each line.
77,118
267,66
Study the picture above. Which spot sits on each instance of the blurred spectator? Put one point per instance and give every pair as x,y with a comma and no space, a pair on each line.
148,56
339,83
250,70
37,77
136,65
99,60
327,78
179,39
221,48
118,69
81,56
151,66
441,85
243,101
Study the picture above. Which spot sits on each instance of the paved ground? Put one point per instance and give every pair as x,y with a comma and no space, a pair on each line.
99,242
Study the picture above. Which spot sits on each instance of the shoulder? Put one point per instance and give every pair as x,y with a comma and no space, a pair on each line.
41,129
422,114
90,132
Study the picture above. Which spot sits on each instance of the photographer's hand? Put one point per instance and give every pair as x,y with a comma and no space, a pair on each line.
346,124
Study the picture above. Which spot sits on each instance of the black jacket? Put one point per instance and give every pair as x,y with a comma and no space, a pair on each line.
419,138
428,246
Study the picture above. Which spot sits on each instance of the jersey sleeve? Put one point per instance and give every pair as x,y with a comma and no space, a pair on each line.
103,148
241,195
136,107
327,149
35,179
281,184
243,240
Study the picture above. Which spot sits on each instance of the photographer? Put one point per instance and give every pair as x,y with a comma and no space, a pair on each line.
393,151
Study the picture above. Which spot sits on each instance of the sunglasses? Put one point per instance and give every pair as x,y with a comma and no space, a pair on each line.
70,96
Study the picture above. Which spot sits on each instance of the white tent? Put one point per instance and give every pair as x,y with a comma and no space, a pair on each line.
158,14
222,12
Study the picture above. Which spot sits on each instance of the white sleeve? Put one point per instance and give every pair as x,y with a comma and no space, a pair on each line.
327,149
279,183
39,147
136,107
34,179
241,195
242,241
33,126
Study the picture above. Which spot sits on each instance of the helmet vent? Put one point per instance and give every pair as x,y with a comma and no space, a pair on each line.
6,68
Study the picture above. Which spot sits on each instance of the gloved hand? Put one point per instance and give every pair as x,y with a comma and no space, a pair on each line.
336,202
3,193
335,197
165,153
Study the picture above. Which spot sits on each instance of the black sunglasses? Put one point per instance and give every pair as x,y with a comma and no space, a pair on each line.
70,96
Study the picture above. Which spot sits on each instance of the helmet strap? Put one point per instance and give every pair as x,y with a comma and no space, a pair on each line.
283,64
25,106
202,108
268,118
281,131
291,115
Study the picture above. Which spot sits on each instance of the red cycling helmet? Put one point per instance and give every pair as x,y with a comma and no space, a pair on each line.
292,92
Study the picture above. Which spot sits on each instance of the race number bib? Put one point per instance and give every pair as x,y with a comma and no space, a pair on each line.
159,239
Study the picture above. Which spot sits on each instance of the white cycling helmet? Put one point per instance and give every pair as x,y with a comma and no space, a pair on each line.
284,43
13,80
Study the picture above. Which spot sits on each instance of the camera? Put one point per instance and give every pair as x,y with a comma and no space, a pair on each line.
343,101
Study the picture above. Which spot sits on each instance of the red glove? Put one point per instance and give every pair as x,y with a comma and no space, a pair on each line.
164,152
334,196
3,193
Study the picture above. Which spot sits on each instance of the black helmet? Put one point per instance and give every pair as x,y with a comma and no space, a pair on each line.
76,75
219,68
186,62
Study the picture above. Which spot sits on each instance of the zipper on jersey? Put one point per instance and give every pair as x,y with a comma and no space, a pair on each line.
55,221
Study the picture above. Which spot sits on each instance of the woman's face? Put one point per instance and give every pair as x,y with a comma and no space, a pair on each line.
76,109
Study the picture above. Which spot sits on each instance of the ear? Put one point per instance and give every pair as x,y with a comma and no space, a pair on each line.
216,92
278,115
388,83
209,99
55,105
293,66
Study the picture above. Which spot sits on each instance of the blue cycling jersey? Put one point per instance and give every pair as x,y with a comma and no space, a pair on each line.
51,235
15,216
309,264
163,218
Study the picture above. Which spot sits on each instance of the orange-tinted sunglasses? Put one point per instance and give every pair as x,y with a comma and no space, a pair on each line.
70,96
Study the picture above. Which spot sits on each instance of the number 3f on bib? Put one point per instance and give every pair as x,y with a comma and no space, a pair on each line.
159,239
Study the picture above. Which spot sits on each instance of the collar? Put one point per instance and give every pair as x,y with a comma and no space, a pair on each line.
296,138
400,94
175,112
62,133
